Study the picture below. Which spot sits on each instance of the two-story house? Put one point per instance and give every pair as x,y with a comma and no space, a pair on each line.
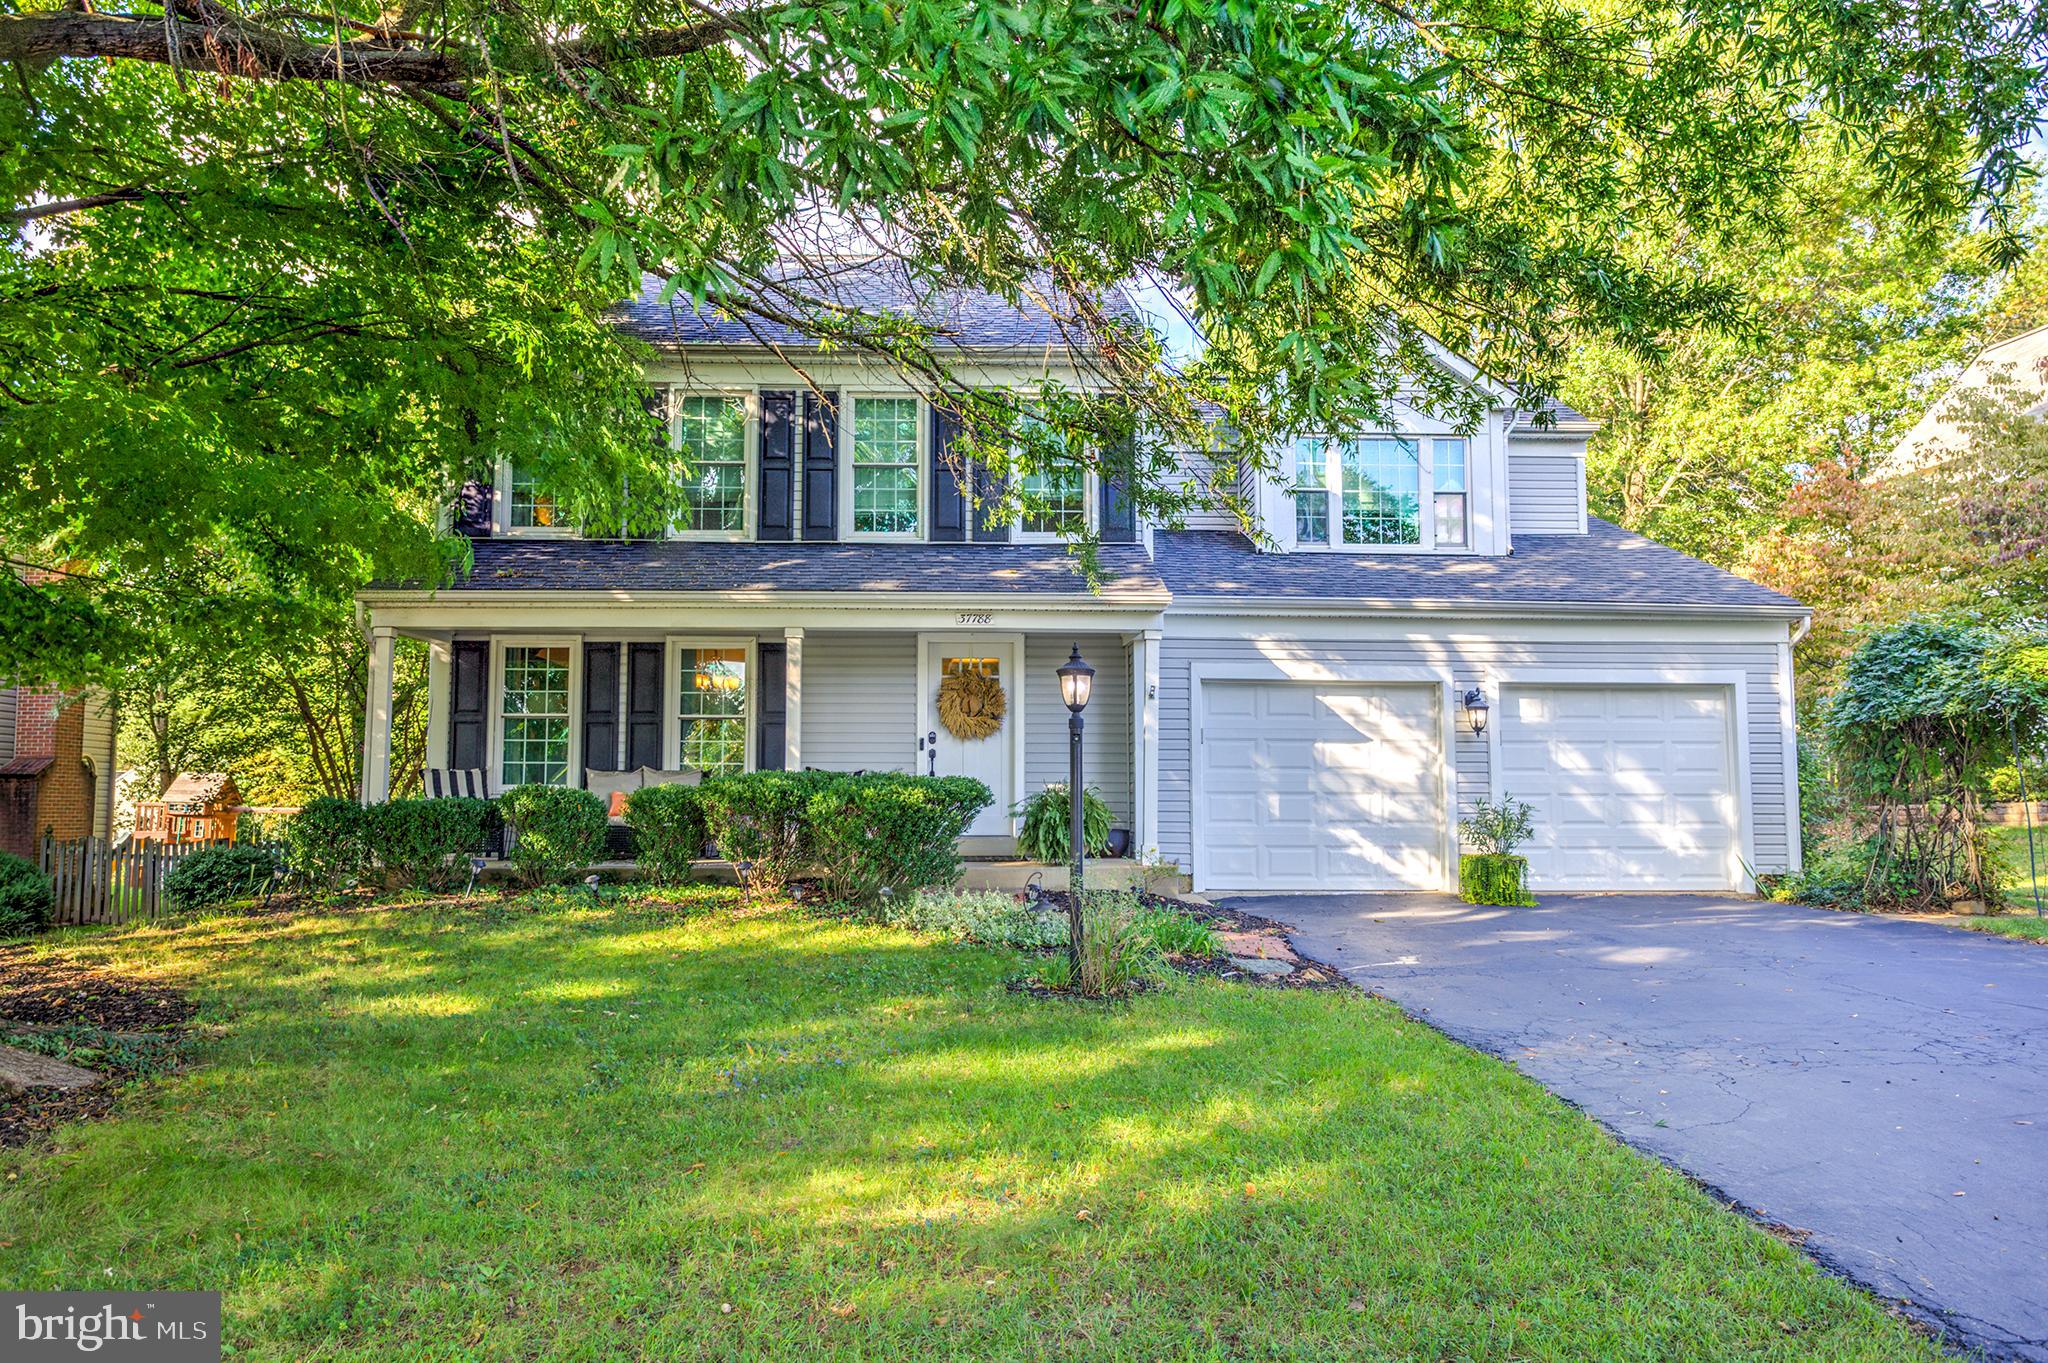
1437,620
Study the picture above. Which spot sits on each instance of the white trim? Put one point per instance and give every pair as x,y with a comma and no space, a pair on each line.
793,697
1735,680
927,686
1309,672
1788,722
494,765
920,467
501,512
1144,667
672,692
1424,434
750,443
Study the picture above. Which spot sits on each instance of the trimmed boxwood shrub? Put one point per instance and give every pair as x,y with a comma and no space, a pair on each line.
1491,878
555,830
668,828
900,833
327,842
27,897
425,843
762,817
219,875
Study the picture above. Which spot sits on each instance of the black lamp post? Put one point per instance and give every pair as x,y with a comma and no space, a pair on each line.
1077,681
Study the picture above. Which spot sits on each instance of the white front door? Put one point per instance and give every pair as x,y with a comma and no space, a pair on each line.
1321,786
1633,786
992,760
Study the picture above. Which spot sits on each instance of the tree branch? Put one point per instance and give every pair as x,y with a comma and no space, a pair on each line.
239,48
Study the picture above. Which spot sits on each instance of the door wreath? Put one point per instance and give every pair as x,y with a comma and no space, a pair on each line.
972,704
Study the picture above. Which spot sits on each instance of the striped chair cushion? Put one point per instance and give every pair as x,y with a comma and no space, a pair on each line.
452,782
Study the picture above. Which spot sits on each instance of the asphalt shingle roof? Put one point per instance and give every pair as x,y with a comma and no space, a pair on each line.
1607,566
877,287
514,564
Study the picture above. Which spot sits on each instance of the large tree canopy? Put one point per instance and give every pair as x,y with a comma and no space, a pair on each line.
283,276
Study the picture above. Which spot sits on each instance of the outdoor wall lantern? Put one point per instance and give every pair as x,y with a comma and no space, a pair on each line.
1475,709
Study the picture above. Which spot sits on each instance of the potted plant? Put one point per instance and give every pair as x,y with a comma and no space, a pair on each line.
1044,832
1494,874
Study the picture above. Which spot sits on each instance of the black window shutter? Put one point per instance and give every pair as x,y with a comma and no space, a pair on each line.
643,705
1119,516
778,467
473,510
601,707
991,516
949,502
771,707
469,707
821,466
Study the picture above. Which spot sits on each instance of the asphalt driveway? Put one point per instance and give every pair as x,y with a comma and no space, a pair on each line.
1879,1084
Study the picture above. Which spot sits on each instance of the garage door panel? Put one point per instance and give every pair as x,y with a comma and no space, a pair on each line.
1633,787
1329,786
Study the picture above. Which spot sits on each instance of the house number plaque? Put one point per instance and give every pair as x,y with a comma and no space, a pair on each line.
974,618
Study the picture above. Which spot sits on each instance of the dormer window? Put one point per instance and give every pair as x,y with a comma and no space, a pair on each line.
1368,492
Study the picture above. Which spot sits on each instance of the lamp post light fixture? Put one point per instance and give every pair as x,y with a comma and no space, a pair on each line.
1077,683
1475,709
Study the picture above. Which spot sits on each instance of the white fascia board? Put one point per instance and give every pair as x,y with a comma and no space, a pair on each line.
1313,629
713,366
658,613
1352,607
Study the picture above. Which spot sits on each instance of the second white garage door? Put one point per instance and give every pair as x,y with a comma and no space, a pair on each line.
1314,786
1633,786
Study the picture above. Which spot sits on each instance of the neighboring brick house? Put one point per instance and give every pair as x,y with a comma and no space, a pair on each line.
56,766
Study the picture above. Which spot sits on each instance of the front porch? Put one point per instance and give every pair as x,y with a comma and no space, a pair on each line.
554,694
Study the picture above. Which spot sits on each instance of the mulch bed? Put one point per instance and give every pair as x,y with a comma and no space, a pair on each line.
121,1029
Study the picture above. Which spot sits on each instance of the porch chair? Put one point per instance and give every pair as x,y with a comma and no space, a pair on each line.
459,783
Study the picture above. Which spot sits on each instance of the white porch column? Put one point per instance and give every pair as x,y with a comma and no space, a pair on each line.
793,698
377,718
440,666
1144,741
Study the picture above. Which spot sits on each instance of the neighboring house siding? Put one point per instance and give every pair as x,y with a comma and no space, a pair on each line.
1546,493
1106,733
97,744
1469,659
7,695
860,702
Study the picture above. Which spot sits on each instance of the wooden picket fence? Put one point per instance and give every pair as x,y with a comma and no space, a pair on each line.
98,884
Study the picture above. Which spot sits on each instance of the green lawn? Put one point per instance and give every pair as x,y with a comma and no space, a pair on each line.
2010,846
578,1132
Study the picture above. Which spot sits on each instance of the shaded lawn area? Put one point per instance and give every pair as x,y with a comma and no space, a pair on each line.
596,1132
2010,846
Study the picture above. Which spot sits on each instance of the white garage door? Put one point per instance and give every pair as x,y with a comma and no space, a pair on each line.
1633,787
1320,787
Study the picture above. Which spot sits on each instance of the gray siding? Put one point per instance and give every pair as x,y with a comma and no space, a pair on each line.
1545,493
7,694
1468,660
1199,469
1106,735
860,710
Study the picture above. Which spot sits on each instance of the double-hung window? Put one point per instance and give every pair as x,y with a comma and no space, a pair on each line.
1381,491
528,506
1055,501
711,446
712,706
885,464
1453,494
1311,492
533,715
